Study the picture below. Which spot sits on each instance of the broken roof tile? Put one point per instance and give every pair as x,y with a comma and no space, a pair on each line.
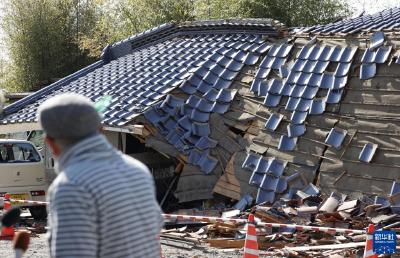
325,53
327,81
188,88
276,167
334,96
298,117
263,48
152,115
305,52
304,78
265,196
263,89
395,188
206,143
342,69
382,54
275,86
263,73
282,185
172,101
377,39
207,163
251,59
292,103
204,105
298,65
293,77
368,152
226,95
272,100
367,71
228,75
347,54
199,116
194,156
320,67
297,91
311,190
256,179
286,89
235,66
315,52
335,54
251,161
286,143
273,121
309,92
222,84
336,137
296,130
315,80
269,183
255,85
303,105
267,62
262,165
317,107
221,107
200,129
283,71
368,56
210,95
278,62
185,123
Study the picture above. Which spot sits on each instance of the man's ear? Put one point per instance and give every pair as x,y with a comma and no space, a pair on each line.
54,147
101,129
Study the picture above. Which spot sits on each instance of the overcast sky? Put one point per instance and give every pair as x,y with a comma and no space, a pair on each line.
358,6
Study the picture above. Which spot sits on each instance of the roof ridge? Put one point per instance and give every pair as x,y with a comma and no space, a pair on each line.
387,19
237,25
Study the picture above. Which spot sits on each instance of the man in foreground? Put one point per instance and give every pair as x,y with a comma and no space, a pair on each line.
102,203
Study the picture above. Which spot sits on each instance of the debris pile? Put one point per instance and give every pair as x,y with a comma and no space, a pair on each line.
336,225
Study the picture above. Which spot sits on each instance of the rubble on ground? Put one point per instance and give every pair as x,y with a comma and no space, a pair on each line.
319,210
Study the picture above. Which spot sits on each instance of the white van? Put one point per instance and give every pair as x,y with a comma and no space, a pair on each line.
22,174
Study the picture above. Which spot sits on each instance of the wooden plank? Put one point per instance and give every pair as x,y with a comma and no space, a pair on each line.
226,243
226,192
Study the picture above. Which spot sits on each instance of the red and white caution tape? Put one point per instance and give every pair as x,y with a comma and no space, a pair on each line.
202,218
263,224
29,202
207,219
312,228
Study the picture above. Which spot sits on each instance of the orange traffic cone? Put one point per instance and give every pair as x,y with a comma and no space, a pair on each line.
369,251
251,244
7,233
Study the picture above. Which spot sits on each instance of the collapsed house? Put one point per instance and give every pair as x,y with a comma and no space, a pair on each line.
249,109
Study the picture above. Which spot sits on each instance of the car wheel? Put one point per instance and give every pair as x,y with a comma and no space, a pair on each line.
38,212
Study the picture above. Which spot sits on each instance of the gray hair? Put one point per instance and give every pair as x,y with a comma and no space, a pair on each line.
69,118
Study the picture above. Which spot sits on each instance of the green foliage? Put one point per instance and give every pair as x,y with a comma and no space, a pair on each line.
43,36
218,9
297,13
53,38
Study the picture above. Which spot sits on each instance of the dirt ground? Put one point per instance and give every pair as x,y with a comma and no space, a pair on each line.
38,249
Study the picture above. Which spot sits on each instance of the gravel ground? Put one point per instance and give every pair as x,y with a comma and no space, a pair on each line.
38,249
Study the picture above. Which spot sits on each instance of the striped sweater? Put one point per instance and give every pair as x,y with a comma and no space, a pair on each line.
102,204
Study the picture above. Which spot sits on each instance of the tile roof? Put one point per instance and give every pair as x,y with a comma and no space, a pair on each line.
140,71
387,20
